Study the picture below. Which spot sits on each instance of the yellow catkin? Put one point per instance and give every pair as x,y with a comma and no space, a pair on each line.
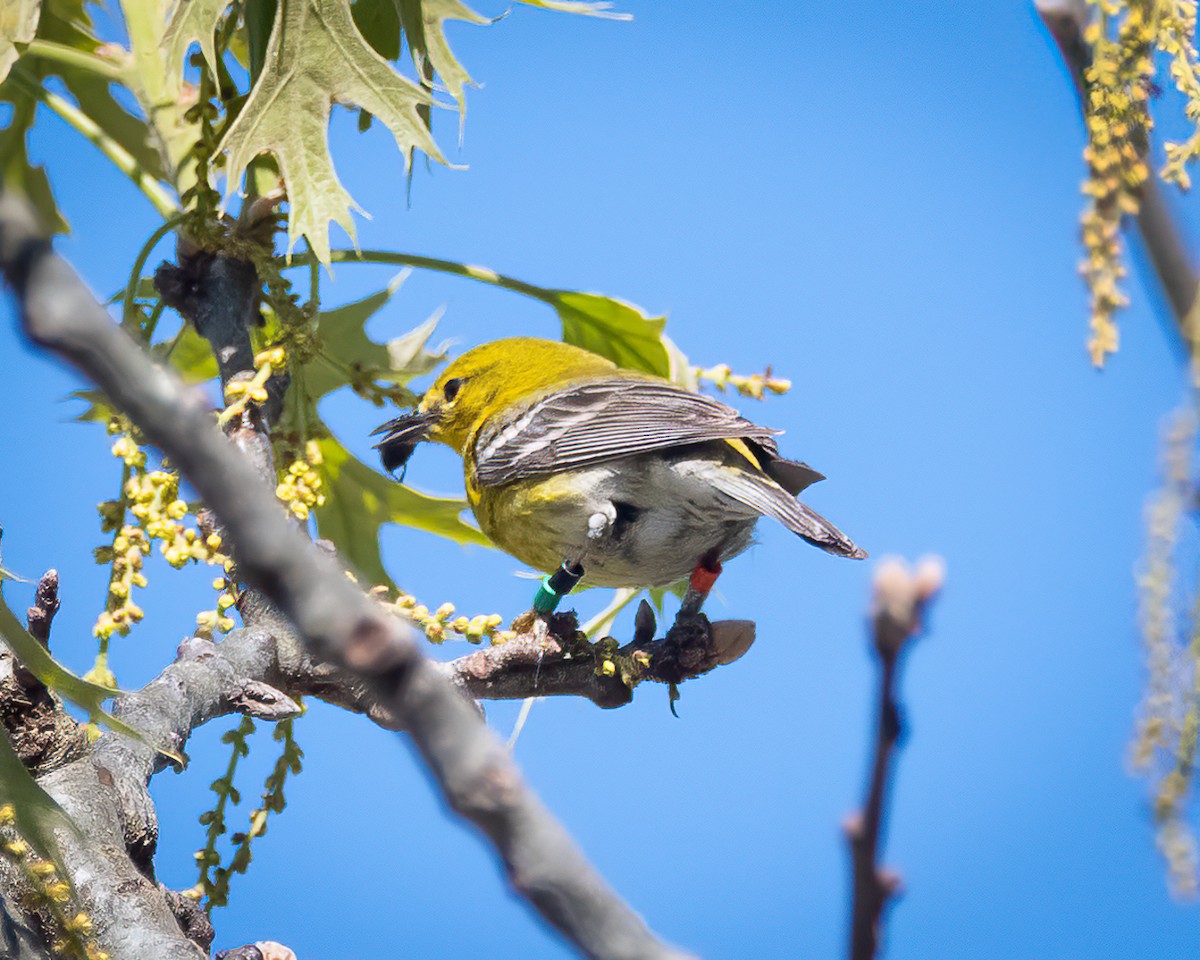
756,385
69,930
1123,37
441,622
1165,741
148,511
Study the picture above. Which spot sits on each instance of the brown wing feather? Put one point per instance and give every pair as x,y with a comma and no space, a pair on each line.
605,419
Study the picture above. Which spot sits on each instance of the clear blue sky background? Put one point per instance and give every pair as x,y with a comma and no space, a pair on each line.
881,202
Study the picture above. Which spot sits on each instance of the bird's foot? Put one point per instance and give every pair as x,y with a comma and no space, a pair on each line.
549,594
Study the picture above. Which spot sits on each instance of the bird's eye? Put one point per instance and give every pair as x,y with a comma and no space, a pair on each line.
450,390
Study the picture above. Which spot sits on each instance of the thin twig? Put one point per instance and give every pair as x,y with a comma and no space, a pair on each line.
900,601
45,606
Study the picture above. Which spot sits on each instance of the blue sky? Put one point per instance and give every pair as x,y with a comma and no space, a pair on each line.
882,203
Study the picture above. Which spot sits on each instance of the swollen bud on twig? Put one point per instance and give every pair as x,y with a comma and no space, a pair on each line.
900,597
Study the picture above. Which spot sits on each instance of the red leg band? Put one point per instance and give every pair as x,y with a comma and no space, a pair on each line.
704,576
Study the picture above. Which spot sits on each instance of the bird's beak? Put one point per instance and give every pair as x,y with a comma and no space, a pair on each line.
401,437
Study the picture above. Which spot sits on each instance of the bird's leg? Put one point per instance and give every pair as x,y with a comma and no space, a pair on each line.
700,583
563,580
556,586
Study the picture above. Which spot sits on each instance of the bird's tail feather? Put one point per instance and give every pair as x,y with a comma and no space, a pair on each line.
771,500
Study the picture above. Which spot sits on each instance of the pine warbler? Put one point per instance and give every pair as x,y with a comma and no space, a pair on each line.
623,476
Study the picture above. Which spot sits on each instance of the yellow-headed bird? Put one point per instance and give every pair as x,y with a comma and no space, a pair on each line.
624,479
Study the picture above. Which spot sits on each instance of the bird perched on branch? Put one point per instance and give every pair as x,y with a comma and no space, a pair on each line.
614,477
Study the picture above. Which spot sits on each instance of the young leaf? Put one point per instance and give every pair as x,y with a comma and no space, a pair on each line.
66,23
18,175
424,24
317,56
345,342
360,501
191,355
18,24
379,23
613,329
193,21
98,409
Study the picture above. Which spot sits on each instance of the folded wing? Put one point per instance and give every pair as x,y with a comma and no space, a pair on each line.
604,419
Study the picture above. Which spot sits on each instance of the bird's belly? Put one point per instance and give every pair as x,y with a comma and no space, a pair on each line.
667,519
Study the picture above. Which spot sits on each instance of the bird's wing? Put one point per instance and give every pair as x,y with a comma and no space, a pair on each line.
605,419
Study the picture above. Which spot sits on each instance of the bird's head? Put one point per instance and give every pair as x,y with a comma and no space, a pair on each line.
495,379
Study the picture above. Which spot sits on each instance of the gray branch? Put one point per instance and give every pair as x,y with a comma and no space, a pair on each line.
337,622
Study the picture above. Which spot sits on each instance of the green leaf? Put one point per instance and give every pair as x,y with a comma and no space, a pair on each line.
66,22
658,594
379,23
98,409
84,694
345,342
359,501
316,56
425,28
18,24
9,575
613,329
191,356
17,174
193,21
682,371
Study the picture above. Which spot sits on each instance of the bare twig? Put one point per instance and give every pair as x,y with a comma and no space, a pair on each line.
335,619
900,600
45,606
1168,251
44,735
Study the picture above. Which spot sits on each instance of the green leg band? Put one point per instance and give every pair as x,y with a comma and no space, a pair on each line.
556,586
546,600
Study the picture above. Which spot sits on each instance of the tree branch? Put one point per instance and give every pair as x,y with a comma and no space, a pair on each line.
337,621
43,734
1067,21
546,663
901,598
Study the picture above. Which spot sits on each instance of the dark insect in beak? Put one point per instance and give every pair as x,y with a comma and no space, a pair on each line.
401,437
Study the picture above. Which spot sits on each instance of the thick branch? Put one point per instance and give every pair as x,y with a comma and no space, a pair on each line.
105,792
336,620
